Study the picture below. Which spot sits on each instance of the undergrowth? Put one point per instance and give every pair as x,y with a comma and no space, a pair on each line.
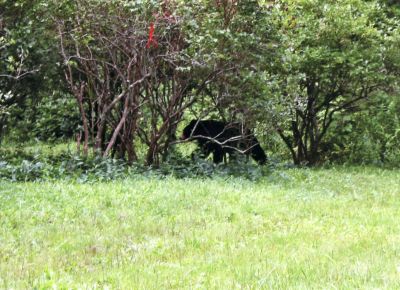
24,165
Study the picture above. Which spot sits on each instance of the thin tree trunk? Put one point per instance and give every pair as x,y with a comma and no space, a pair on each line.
84,120
118,128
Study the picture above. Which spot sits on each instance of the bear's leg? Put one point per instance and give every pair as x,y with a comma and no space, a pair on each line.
218,155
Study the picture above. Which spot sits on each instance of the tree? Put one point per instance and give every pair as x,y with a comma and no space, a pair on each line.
237,37
28,58
126,65
328,65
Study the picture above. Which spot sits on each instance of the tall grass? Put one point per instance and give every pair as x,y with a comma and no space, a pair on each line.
299,228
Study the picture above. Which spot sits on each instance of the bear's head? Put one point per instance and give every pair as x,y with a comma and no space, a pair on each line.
188,130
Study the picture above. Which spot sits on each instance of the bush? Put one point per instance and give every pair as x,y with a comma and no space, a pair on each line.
53,118
372,136
20,165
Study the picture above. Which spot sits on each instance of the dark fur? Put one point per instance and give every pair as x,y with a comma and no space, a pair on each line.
203,131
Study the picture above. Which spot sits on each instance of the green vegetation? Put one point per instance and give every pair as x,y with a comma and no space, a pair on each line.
123,77
321,229
99,188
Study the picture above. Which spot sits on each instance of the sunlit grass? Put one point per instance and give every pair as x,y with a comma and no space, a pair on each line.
39,148
322,229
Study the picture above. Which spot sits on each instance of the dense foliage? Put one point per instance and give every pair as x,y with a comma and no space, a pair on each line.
330,65
121,77
38,163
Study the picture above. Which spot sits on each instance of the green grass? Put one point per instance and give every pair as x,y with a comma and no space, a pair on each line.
303,229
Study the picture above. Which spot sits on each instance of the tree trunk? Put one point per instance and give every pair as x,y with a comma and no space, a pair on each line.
118,128
152,155
79,97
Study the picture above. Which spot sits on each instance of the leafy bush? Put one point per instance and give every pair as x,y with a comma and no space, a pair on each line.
20,165
371,136
57,117
53,118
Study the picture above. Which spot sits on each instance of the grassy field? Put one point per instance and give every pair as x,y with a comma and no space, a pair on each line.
299,228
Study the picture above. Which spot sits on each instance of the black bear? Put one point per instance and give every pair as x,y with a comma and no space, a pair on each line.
220,138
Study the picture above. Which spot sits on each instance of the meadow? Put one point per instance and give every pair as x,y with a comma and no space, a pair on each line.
335,228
